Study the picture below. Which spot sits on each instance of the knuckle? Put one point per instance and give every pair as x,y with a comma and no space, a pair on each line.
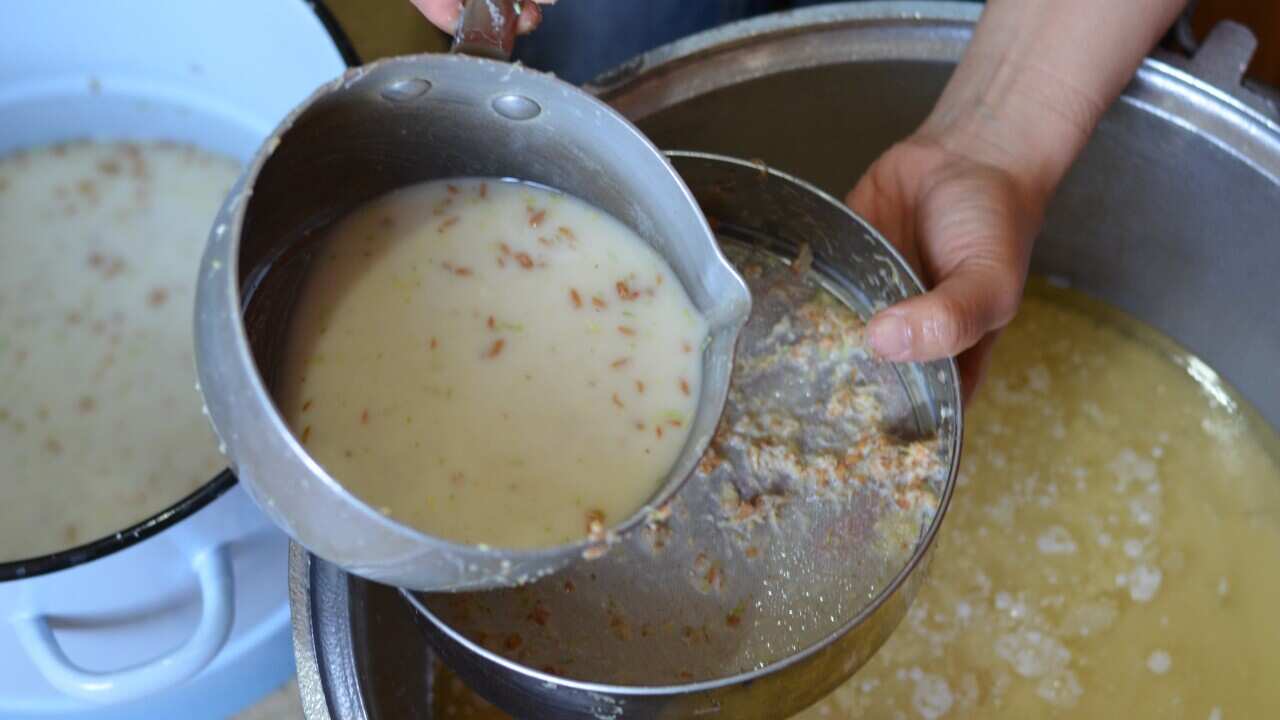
951,326
1006,297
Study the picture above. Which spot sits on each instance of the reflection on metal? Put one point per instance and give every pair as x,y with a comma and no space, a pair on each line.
1208,381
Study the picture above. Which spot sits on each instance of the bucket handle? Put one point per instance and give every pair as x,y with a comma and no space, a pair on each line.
217,611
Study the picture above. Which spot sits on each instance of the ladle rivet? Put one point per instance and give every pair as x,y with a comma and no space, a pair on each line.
406,89
516,107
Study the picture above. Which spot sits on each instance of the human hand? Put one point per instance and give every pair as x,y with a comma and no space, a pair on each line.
963,197
966,225
444,14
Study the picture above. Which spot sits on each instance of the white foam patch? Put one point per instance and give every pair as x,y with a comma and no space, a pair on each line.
1056,540
1144,582
1061,689
1159,662
1089,618
1032,653
932,696
1144,510
1129,467
1133,548
1015,607
1038,379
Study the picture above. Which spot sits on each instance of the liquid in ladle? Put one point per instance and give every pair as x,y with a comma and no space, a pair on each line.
492,363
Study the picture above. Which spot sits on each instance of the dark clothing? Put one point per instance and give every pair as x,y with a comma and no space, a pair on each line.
579,39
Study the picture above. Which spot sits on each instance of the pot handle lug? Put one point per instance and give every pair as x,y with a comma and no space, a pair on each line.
1220,60
217,611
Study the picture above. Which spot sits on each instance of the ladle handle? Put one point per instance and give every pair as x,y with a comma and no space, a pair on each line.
488,28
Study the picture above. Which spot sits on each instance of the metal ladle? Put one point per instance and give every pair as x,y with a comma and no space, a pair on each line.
378,128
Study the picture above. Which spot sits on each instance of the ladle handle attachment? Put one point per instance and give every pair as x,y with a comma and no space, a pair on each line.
488,28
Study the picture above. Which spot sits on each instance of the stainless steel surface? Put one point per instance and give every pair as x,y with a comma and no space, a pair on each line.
700,613
1169,214
381,127
367,661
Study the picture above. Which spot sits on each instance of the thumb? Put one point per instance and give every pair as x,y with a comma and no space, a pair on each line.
442,13
975,298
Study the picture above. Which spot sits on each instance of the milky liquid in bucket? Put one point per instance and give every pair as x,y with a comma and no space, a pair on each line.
100,425
493,363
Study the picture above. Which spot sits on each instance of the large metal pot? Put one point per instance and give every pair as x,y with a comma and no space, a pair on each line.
1169,215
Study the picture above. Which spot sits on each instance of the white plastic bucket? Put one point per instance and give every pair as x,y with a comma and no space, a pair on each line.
185,614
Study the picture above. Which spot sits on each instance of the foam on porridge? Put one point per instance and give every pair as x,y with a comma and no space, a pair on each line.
1104,551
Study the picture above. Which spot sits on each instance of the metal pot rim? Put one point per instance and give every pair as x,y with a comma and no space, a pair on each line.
1240,120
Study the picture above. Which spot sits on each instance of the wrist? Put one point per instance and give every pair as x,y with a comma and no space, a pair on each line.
1018,118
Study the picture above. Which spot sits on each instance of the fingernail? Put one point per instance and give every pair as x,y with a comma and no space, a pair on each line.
890,338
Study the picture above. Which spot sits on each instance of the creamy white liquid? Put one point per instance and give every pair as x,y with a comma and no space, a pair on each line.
100,425
493,363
